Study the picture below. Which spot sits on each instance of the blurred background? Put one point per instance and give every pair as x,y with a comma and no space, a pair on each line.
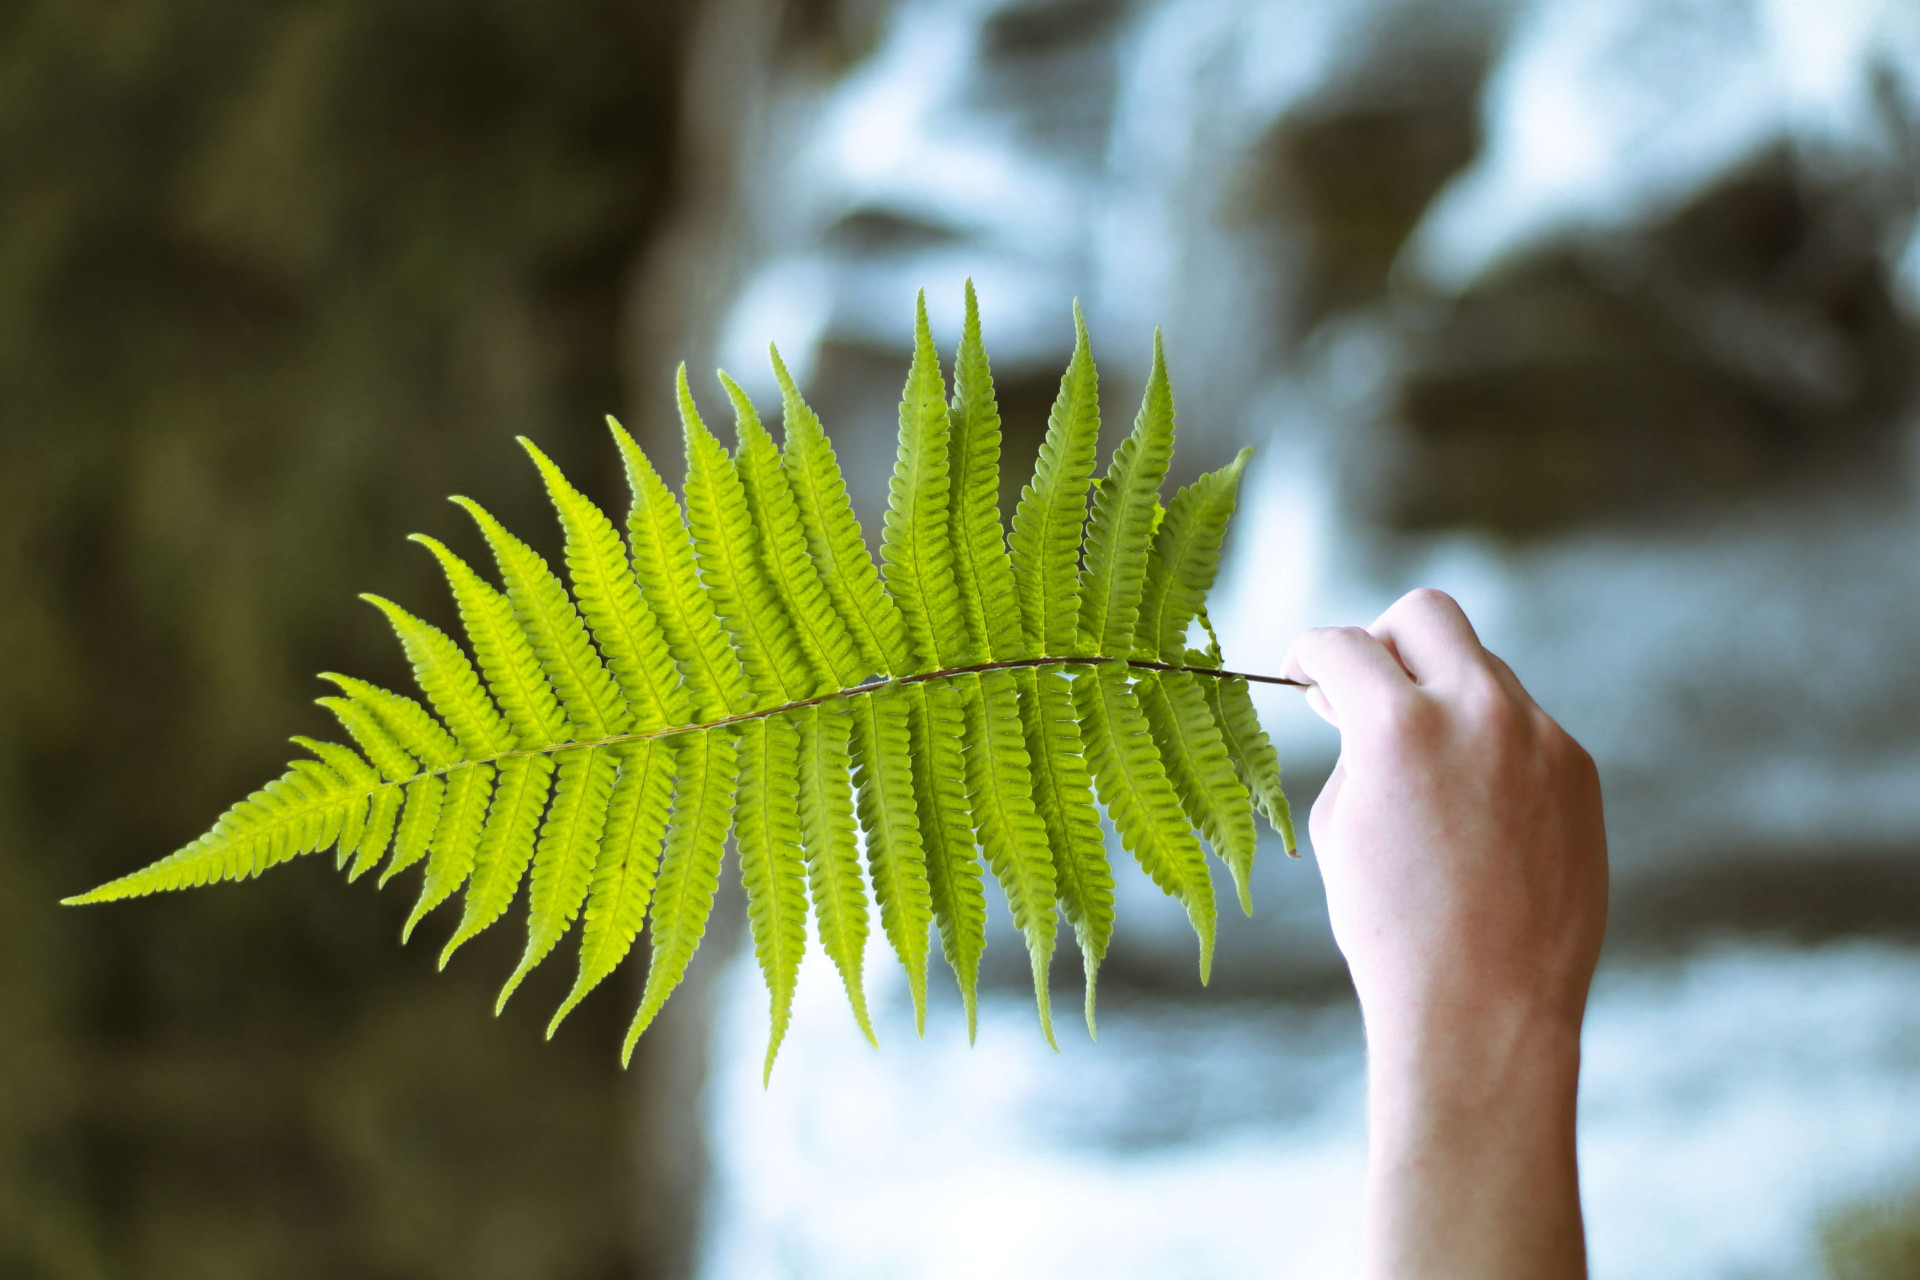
1603,315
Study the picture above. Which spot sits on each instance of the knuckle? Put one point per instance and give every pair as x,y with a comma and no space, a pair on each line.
1403,717
1567,755
1491,712
1429,598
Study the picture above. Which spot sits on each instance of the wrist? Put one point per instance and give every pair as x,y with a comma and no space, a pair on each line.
1465,1045
1471,1146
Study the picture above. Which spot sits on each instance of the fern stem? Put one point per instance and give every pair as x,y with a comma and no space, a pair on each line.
871,686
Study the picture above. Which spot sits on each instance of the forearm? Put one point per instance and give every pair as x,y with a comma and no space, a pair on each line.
1464,854
1471,1170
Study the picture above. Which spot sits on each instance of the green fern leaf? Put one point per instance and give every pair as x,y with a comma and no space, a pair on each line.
1052,514
1000,786
506,845
456,838
1211,793
450,683
1063,797
379,746
983,574
418,821
663,562
407,722
394,764
360,777
622,626
707,767
1132,782
782,542
890,821
1252,754
936,723
564,857
382,817
344,761
916,550
553,628
505,657
714,673
1186,556
624,873
727,553
834,541
999,771
767,825
1120,531
281,820
832,858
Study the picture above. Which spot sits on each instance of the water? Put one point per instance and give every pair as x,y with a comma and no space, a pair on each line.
1730,1101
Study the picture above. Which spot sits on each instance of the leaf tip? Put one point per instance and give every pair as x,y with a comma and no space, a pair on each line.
540,459
513,984
553,1023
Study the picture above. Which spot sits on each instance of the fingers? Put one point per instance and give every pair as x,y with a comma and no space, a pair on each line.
1432,638
1351,672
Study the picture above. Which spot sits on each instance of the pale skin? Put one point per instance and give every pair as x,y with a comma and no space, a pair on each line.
1465,861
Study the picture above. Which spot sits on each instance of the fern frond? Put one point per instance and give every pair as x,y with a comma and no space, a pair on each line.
625,869
708,770
1132,782
663,562
506,845
449,682
782,543
405,721
379,746
1120,531
1211,794
622,627
1252,754
419,819
563,859
282,820
1063,797
833,860
382,816
593,704
834,540
890,822
456,839
1000,787
1185,558
1052,513
513,673
742,665
936,723
767,826
728,555
916,550
982,571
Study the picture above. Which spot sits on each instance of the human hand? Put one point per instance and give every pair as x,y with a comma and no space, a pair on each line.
1461,842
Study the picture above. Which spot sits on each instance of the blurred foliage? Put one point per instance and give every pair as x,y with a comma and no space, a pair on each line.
274,278
1878,1241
